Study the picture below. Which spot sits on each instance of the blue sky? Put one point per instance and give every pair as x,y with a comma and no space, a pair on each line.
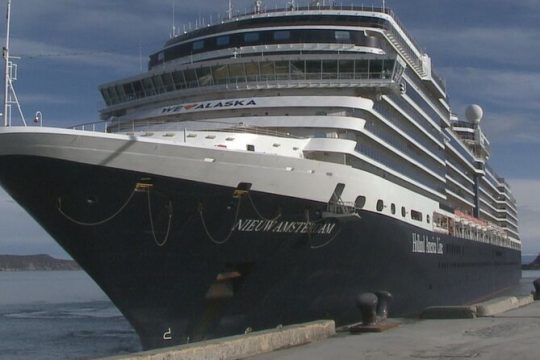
487,50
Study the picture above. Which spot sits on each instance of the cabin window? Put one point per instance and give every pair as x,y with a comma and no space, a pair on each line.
403,211
427,218
198,45
380,205
360,202
393,209
223,40
250,147
282,35
251,37
416,215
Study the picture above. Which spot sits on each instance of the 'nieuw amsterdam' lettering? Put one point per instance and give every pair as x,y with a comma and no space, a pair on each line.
289,227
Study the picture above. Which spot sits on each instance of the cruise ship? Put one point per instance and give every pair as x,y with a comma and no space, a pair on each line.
266,170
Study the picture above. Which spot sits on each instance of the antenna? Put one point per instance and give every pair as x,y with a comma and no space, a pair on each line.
173,33
6,68
230,10
10,70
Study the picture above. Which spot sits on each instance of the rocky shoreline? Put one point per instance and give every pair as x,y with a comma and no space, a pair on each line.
35,263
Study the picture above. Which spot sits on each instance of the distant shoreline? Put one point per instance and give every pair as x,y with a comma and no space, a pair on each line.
39,262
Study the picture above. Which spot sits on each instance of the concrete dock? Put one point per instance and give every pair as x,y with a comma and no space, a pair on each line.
514,334
504,328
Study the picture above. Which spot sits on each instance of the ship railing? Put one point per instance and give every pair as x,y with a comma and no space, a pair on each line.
341,207
97,126
462,124
258,131
239,15
396,36
146,125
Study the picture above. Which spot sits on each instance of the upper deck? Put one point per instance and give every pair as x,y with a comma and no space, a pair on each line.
302,33
305,25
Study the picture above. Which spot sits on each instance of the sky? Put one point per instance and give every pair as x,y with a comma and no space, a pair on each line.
486,50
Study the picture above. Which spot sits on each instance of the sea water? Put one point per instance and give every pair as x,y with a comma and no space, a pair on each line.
64,315
59,315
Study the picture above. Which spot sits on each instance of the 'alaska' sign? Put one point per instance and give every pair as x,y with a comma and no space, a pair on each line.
219,104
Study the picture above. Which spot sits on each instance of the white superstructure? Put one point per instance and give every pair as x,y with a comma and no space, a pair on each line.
340,91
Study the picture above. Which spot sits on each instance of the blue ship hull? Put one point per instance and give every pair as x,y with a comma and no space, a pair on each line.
186,261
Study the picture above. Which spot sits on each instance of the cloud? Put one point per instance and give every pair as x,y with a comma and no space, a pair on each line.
510,98
486,46
38,51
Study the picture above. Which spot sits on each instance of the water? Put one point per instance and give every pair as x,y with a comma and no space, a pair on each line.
527,278
64,315
59,315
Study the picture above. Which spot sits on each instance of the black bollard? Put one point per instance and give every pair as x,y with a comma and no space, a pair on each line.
383,300
536,284
367,303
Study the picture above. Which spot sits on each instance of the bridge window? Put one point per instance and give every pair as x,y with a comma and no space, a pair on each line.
342,36
198,45
282,35
221,74
251,37
223,40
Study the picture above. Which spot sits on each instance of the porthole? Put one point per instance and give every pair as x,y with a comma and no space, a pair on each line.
403,211
380,205
360,202
427,218
393,209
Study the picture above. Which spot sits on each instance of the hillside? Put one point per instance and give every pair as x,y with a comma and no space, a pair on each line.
35,263
535,265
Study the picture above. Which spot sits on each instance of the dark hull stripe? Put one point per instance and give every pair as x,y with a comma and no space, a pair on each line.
185,273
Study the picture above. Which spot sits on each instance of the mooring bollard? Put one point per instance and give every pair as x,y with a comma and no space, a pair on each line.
536,284
367,303
383,300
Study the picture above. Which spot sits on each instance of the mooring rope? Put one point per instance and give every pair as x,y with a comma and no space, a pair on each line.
258,213
212,239
96,223
150,216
